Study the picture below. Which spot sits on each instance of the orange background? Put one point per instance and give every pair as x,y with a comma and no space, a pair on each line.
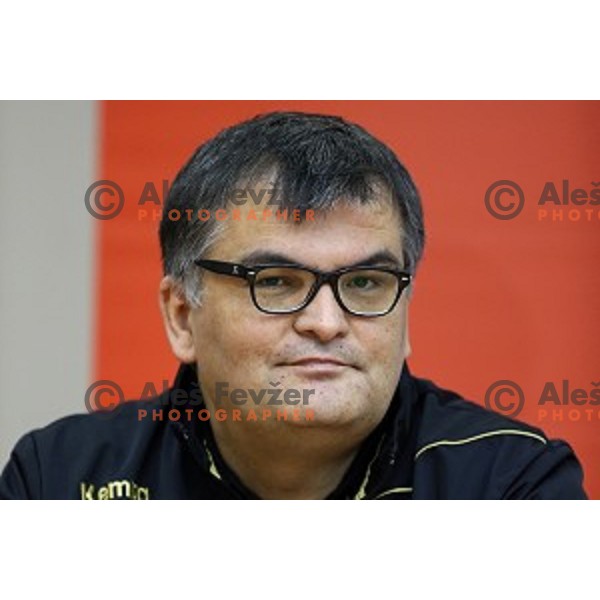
494,299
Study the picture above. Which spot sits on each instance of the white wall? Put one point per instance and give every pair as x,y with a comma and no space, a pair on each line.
47,161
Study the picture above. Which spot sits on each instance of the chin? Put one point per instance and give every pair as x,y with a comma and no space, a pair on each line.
334,415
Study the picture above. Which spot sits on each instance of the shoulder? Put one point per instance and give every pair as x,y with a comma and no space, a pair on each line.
476,452
448,419
99,428
48,460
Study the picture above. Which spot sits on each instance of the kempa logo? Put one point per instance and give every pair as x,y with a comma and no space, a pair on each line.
114,490
557,202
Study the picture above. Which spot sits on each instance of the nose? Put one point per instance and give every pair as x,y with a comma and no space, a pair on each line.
323,318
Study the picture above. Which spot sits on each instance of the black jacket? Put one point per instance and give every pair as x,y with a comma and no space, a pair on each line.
431,444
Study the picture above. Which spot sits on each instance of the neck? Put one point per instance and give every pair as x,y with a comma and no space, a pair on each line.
298,464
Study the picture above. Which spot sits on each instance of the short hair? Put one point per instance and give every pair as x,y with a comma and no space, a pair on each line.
316,160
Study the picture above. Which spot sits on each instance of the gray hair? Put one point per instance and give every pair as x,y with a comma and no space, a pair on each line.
313,160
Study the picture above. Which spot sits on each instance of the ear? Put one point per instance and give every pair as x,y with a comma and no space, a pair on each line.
406,347
175,313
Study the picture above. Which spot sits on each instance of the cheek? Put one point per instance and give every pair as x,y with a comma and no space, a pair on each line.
386,357
229,336
383,343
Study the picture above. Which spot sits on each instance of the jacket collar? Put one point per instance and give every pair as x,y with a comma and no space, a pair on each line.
383,461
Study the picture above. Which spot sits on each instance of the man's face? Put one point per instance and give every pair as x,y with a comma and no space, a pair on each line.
236,343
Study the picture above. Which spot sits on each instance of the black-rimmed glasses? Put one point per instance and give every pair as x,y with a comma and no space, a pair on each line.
363,291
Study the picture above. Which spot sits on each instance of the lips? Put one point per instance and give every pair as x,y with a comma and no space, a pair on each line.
319,363
317,360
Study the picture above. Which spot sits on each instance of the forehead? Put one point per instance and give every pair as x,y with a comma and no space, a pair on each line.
334,238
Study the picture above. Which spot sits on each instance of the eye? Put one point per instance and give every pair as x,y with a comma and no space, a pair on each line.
280,280
362,282
271,282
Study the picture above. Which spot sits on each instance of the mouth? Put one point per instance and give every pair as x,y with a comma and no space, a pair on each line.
318,360
319,365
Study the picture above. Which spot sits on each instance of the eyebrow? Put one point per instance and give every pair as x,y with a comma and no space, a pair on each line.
259,257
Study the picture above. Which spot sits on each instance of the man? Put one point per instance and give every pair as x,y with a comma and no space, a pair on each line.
290,244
